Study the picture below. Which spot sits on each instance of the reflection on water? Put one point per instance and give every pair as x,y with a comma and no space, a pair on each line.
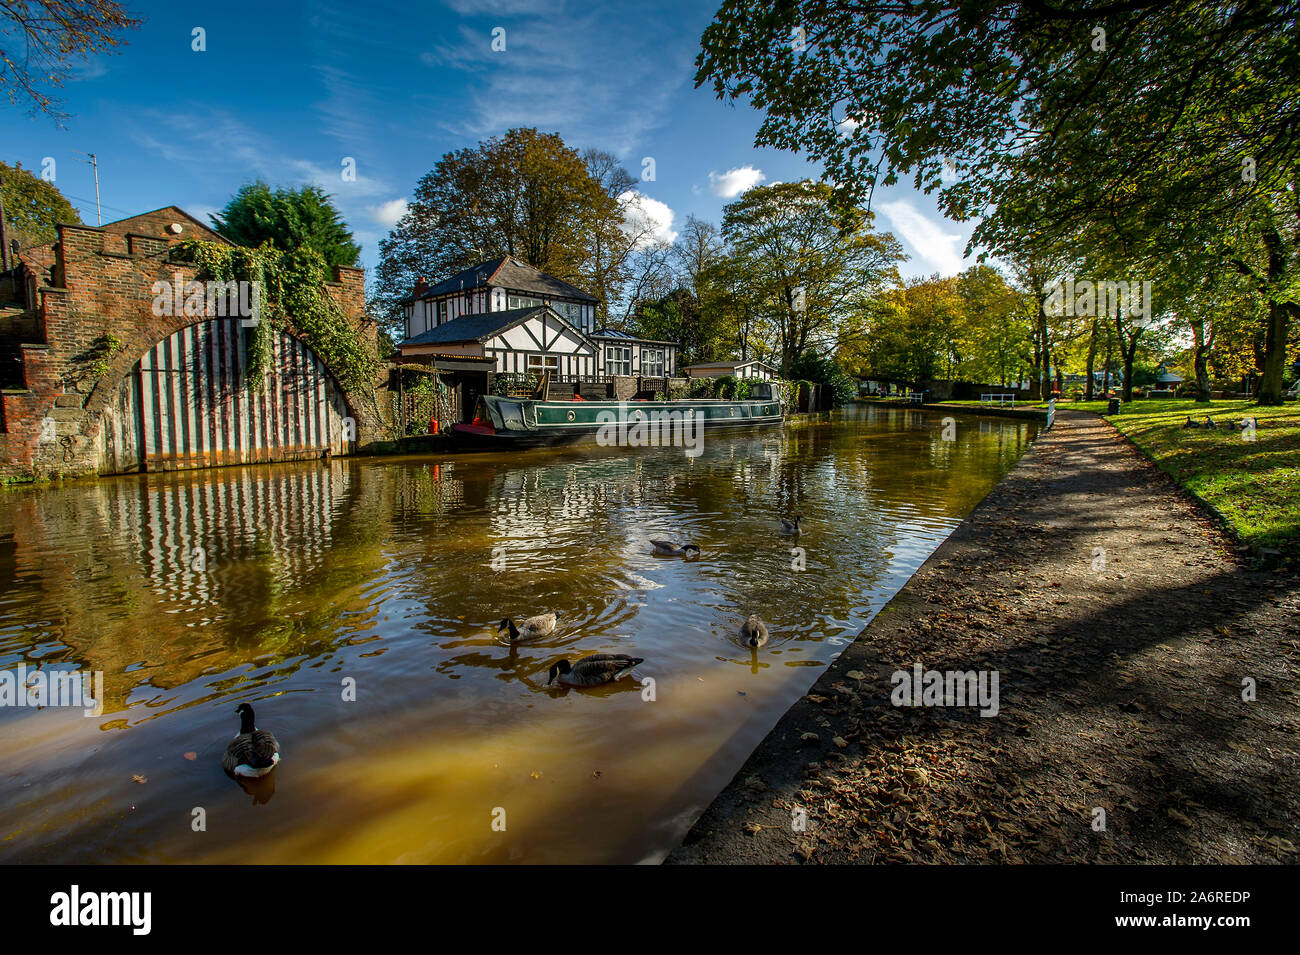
355,604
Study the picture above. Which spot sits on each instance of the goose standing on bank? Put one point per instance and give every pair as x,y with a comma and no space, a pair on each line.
253,752
791,525
540,626
754,630
594,670
668,549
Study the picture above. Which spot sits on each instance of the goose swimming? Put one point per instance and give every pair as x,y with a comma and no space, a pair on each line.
540,626
594,670
668,549
253,752
754,630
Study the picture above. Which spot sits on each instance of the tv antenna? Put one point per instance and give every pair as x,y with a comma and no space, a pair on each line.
94,164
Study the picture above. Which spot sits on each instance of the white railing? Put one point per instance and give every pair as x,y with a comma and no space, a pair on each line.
1051,411
1002,400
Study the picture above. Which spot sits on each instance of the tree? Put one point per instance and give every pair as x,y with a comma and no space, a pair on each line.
813,264
32,206
613,242
1151,116
524,194
41,41
697,312
289,219
997,335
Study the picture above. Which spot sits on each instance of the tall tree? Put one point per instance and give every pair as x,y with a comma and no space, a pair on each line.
289,219
524,194
612,243
33,207
43,41
814,263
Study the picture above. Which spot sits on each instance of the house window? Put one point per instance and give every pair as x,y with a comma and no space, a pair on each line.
652,362
618,360
522,301
540,363
571,312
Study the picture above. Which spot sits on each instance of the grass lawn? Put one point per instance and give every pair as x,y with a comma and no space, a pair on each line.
1255,484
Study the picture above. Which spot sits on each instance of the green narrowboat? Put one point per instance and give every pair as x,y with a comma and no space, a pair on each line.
501,422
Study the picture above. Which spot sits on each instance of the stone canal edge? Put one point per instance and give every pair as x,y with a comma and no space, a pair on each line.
1125,627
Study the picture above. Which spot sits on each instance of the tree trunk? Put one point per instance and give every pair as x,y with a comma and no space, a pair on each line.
1200,361
1276,328
1275,341
1106,381
1045,368
1090,387
1128,349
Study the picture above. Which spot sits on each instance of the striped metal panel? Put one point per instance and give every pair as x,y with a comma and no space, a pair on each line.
192,407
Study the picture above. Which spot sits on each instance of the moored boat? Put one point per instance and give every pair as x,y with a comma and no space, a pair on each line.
501,422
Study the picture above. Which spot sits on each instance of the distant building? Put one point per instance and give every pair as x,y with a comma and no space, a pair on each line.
753,368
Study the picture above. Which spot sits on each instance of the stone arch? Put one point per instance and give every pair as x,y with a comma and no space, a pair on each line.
184,402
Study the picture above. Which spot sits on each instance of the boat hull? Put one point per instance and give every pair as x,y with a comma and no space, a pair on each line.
525,423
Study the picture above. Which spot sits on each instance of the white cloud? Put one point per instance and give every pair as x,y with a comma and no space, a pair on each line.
648,218
567,67
942,250
733,182
387,213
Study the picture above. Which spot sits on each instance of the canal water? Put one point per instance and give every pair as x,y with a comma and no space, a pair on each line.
354,603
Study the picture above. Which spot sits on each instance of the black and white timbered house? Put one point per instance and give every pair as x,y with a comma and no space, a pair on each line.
527,321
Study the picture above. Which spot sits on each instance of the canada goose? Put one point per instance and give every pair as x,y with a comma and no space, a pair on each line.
594,670
1189,423
666,549
1209,422
538,626
754,630
253,752
791,526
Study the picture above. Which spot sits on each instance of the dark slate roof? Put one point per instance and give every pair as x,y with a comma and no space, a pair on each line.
732,364
614,333
475,328
510,273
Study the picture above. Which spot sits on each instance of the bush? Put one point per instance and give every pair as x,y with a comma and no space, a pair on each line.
817,369
509,381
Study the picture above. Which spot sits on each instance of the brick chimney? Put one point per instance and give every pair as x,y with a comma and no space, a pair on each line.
421,286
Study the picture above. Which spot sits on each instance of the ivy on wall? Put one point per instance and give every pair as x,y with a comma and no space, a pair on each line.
293,292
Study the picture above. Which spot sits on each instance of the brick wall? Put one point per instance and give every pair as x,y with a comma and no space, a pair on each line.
104,285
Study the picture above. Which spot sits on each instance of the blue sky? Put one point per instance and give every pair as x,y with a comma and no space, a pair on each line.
287,92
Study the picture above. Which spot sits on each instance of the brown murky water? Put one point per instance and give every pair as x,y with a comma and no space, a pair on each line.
392,573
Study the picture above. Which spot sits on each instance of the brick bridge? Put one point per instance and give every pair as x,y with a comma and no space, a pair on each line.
93,382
